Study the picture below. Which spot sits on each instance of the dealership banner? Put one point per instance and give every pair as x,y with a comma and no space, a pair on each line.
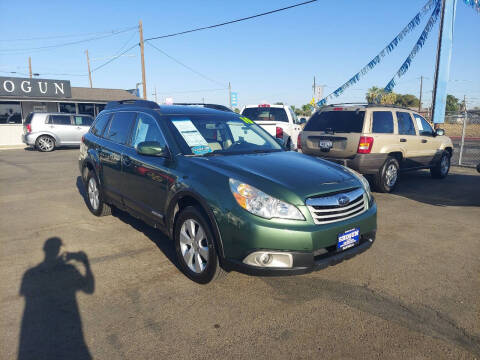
34,88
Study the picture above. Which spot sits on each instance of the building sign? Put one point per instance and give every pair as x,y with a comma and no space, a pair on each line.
25,87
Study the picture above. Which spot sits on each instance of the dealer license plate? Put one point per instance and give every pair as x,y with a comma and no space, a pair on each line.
348,239
325,145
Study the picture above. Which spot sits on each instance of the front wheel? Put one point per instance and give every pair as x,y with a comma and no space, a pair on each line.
441,169
195,247
387,177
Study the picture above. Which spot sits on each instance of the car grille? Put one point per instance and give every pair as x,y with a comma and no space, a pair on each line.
337,206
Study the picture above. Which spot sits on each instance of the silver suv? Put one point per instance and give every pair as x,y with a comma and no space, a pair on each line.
45,131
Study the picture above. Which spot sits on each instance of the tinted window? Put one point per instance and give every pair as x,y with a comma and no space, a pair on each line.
87,109
424,127
382,122
99,125
60,119
405,124
120,126
336,121
28,120
146,129
10,113
68,108
266,113
80,120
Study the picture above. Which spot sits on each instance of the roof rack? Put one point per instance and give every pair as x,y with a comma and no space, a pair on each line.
139,103
210,106
369,105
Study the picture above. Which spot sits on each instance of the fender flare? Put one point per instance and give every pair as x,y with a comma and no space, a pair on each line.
170,216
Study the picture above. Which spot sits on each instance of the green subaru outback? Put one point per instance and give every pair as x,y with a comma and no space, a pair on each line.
224,190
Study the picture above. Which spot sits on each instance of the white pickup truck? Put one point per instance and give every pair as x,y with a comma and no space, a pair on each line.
279,121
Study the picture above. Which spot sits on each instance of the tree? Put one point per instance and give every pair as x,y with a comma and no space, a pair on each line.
407,100
307,109
376,95
452,103
278,103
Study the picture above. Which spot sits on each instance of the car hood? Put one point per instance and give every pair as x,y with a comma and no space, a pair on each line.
288,176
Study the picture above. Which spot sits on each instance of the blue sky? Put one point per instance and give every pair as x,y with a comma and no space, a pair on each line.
272,58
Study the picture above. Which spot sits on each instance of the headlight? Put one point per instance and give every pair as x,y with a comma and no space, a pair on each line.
261,204
365,184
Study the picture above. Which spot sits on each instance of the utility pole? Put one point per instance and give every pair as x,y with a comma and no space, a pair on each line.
465,119
89,72
155,94
230,95
140,27
30,66
420,102
314,87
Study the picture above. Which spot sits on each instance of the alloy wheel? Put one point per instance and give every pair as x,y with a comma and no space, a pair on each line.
45,143
194,246
445,164
391,175
93,193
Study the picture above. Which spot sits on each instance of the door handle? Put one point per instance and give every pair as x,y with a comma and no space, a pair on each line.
403,140
424,141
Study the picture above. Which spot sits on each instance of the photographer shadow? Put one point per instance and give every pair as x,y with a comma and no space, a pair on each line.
51,325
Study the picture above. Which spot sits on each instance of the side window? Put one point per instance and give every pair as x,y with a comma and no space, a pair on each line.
80,120
120,126
424,128
146,129
99,124
405,124
294,116
60,120
382,122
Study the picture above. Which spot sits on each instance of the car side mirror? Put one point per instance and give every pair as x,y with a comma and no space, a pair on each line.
152,148
303,120
439,132
281,142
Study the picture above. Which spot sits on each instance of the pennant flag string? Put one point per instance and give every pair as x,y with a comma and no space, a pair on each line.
473,3
385,51
420,42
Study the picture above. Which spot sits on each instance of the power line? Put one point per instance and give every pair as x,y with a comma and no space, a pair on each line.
114,58
192,91
67,36
185,66
231,22
19,51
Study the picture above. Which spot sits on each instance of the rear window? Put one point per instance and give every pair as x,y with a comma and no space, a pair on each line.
29,118
120,127
266,114
382,122
336,121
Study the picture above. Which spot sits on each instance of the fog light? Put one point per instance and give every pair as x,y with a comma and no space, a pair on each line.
269,259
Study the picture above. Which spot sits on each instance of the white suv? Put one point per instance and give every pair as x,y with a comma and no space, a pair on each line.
279,121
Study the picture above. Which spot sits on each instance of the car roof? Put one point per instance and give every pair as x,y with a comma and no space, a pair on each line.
355,106
59,113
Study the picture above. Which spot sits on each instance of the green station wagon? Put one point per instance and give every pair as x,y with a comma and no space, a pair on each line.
224,190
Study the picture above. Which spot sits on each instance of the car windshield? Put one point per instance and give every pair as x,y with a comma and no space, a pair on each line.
336,121
221,134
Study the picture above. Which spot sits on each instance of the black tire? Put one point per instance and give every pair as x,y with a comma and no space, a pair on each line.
99,208
441,169
212,270
288,147
387,177
45,143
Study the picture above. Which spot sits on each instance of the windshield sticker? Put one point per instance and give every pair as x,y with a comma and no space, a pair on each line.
192,136
201,149
246,120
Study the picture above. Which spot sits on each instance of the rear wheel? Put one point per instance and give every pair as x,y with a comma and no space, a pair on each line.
195,247
441,169
387,177
95,201
45,143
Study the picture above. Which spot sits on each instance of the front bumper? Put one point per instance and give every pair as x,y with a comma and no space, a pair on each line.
305,262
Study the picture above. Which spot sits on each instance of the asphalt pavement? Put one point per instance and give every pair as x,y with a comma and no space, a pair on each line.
414,295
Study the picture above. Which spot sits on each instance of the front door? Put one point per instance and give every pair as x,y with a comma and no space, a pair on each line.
408,140
147,178
428,144
81,125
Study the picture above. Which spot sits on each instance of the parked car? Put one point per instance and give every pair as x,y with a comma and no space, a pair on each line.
279,121
379,141
46,131
224,190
